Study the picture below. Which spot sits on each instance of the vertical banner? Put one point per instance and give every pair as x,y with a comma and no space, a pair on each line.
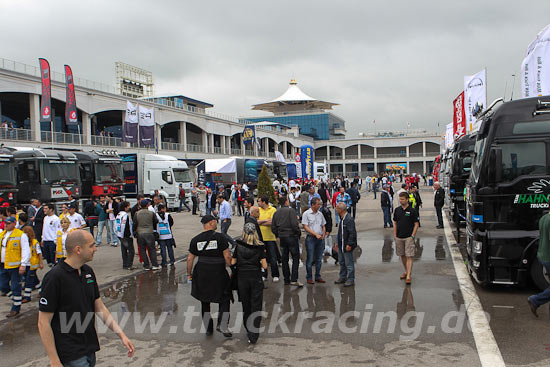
459,123
449,136
279,156
46,100
298,165
535,73
249,134
475,97
71,117
147,126
306,155
130,127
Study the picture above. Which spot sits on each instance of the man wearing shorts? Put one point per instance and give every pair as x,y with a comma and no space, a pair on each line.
405,220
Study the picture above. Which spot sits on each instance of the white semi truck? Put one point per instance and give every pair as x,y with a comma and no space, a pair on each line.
144,173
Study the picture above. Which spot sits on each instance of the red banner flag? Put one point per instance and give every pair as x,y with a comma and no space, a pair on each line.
459,117
71,117
46,102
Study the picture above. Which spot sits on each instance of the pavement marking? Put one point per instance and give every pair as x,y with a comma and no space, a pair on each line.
487,347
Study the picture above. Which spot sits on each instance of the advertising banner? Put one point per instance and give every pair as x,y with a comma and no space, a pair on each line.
306,159
449,140
459,122
46,100
146,126
249,134
396,167
535,68
130,127
475,97
71,117
298,159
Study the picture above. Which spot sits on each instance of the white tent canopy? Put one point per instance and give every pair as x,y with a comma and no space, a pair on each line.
227,165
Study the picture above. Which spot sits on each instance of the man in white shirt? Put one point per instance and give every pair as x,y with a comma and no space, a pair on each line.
314,224
49,234
77,221
112,210
15,258
291,183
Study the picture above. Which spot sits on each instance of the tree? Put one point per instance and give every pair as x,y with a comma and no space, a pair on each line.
265,186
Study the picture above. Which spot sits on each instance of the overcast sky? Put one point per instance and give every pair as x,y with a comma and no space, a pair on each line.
391,61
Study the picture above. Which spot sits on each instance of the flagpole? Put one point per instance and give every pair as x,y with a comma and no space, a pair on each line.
138,138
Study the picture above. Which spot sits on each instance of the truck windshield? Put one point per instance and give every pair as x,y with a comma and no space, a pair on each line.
59,172
520,159
7,177
108,172
182,175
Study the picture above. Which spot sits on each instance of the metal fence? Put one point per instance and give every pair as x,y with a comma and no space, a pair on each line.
62,138
109,141
15,134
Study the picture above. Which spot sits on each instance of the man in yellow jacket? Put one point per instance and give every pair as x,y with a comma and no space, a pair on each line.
15,257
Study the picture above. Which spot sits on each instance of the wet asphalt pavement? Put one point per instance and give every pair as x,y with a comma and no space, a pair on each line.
393,324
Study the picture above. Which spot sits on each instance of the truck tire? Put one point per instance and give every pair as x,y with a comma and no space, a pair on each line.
539,275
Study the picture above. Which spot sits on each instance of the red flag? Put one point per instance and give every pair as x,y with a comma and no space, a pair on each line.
459,117
71,117
46,102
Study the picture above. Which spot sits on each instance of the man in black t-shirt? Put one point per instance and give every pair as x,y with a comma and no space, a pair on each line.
70,292
406,223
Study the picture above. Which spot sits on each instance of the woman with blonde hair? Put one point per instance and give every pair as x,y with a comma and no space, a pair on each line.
60,251
249,259
31,279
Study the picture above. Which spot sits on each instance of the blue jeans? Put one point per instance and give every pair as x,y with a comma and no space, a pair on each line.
49,251
166,245
100,226
347,267
11,280
111,224
337,216
271,247
182,203
544,296
387,216
86,361
314,248
225,224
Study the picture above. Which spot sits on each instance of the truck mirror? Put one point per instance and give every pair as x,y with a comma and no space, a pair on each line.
495,166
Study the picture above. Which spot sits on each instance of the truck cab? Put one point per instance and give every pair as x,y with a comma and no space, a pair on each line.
8,183
459,172
100,174
508,192
145,173
46,174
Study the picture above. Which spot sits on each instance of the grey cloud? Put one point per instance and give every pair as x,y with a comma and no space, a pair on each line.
396,62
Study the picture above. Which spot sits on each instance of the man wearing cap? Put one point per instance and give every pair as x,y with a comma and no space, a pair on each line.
77,221
210,280
145,222
15,257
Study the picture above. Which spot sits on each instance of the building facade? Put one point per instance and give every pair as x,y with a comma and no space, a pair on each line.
185,128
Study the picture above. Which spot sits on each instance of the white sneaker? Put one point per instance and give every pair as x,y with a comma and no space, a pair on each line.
275,279
264,279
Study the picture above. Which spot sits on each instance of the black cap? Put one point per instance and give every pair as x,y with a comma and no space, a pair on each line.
207,218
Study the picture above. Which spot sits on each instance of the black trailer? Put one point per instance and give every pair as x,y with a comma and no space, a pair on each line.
507,193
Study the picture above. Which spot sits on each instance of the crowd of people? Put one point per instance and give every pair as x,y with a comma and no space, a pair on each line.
270,239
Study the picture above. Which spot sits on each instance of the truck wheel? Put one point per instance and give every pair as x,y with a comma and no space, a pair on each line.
539,275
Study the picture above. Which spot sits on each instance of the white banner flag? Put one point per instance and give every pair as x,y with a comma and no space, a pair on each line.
131,113
279,156
475,96
535,73
449,138
146,116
